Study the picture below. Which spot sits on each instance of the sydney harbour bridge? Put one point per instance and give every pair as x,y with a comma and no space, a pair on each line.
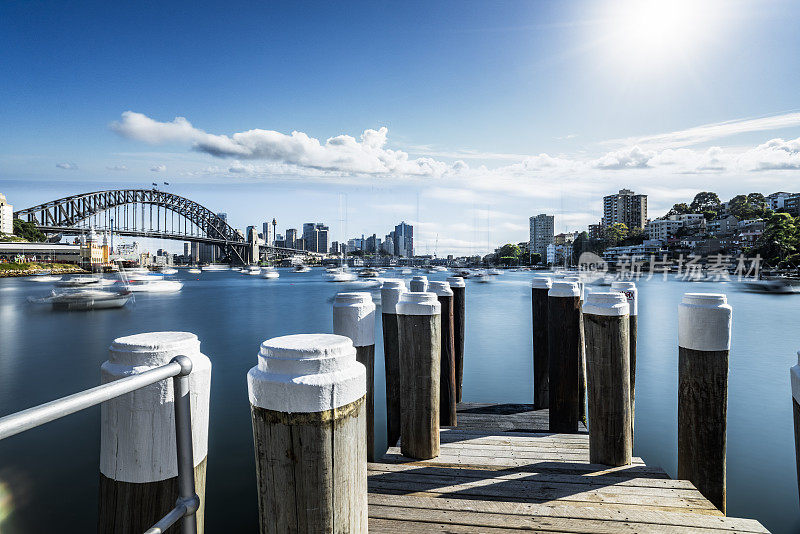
147,213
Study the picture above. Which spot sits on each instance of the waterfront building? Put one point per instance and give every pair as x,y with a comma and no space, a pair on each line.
549,256
403,239
6,216
94,250
723,226
775,201
541,234
631,253
625,207
291,238
596,231
791,205
664,229
40,252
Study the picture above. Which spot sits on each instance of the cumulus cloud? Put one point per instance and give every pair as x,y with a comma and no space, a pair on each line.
628,158
158,168
775,154
67,166
343,153
117,167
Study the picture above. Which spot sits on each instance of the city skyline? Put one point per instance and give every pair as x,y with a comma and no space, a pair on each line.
510,130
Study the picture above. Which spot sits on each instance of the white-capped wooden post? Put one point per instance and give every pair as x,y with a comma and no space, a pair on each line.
447,376
632,294
420,354
582,383
704,341
354,317
459,317
541,393
605,318
138,458
564,346
307,398
794,374
419,283
390,294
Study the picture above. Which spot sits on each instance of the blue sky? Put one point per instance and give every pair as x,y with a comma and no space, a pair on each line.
492,111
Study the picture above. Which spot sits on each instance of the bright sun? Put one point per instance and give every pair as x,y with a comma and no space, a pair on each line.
656,32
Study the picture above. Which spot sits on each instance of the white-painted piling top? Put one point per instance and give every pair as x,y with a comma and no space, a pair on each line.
137,430
354,317
794,373
391,290
541,282
704,322
306,373
441,289
456,281
561,288
577,280
418,303
420,277
610,304
630,292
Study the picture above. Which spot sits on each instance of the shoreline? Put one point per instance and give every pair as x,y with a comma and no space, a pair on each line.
33,272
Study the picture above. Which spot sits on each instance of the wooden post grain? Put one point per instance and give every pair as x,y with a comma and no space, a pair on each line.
704,334
354,317
564,347
420,354
138,459
605,318
419,283
390,294
541,392
447,375
582,376
794,375
632,294
459,316
307,397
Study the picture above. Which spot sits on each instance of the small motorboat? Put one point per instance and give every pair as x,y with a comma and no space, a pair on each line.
138,270
194,270
84,280
216,267
772,285
88,299
302,268
494,272
153,284
482,277
168,270
269,273
43,277
405,271
340,275
253,270
369,273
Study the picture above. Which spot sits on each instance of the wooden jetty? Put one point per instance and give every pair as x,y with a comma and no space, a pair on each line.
501,471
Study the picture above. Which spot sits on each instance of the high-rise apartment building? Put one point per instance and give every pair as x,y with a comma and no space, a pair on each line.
315,236
6,216
403,240
542,230
625,207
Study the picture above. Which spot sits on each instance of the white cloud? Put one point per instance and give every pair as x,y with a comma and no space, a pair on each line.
775,154
67,166
117,167
158,168
629,158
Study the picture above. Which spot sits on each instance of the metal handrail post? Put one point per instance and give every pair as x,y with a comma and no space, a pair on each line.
187,496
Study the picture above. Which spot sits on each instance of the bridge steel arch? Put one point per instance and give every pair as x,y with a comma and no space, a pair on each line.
64,215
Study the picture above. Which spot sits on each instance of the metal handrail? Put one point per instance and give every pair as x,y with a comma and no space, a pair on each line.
178,369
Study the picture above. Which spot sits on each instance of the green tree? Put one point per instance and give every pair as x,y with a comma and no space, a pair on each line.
509,249
536,258
615,233
752,206
679,209
28,230
780,239
705,201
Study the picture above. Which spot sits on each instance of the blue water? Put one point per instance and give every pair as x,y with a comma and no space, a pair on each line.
49,476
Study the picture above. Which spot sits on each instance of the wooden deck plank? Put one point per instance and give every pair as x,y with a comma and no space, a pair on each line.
502,471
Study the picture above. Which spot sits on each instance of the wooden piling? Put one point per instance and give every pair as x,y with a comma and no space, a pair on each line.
794,374
632,295
605,318
419,283
541,393
704,333
307,397
420,354
459,316
138,459
447,375
354,317
582,376
564,323
390,294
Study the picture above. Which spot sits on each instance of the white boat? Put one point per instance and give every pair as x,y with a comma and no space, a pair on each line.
481,277
369,273
405,271
194,270
168,270
44,277
253,270
88,299
340,275
494,272
302,268
216,267
137,270
774,285
84,280
153,284
269,273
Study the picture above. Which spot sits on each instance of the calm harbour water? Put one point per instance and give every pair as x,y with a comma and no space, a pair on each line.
49,476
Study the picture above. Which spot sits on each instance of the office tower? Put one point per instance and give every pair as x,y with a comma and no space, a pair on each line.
541,234
291,238
267,231
315,236
6,216
404,240
625,207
